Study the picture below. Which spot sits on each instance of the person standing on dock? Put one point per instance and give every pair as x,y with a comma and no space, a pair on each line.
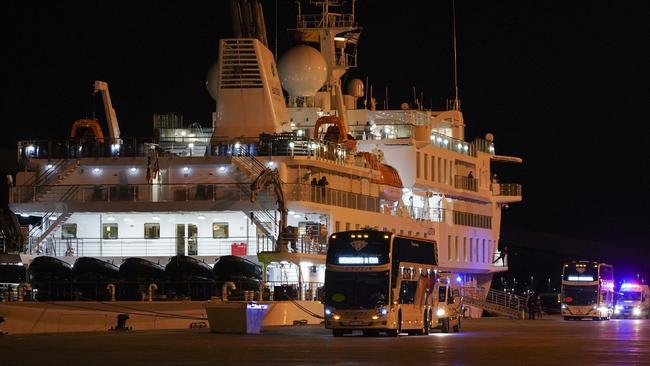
531,305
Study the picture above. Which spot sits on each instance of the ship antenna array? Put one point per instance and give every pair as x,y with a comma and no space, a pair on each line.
456,105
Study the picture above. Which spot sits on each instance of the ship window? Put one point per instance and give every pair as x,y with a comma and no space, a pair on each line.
152,231
465,249
444,171
219,229
69,231
483,251
426,166
417,164
449,247
109,231
433,168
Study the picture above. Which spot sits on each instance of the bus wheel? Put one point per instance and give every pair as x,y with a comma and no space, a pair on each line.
399,322
427,324
596,318
392,332
337,332
445,325
567,318
457,326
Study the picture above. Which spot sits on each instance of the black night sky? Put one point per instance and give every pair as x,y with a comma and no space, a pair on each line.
563,85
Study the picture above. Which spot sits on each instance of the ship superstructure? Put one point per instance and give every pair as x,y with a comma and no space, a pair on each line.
276,175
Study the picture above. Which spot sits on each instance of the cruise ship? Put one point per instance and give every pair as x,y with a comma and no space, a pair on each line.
294,154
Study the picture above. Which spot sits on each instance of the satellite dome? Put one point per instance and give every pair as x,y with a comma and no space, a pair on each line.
212,79
302,70
355,88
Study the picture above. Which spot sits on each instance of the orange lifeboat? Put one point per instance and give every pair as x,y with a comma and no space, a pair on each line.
388,175
78,127
336,133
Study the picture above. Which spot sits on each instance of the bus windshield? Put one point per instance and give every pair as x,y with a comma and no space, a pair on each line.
356,290
631,296
580,295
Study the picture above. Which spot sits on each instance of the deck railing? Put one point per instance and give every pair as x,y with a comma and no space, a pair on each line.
170,246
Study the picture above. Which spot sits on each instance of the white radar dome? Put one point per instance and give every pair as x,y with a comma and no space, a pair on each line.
212,79
302,70
355,88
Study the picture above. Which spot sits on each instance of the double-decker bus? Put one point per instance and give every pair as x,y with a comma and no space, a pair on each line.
587,290
377,281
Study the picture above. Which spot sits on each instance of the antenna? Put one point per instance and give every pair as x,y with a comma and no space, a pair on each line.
456,106
366,92
386,106
415,98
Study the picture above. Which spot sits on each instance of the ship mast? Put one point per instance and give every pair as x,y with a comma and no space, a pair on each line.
334,32
456,104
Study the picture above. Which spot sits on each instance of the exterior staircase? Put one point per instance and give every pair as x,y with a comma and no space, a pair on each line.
265,220
495,301
46,182
41,232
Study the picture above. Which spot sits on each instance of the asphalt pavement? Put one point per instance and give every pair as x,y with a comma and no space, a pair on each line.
486,341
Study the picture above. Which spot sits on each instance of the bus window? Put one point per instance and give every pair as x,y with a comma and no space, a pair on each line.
442,294
407,292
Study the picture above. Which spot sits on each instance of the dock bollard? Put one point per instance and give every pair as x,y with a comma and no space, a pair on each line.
224,290
111,288
152,288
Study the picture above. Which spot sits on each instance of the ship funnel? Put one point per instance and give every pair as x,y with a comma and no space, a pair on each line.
248,91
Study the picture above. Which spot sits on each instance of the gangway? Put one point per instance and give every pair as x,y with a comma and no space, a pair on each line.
495,301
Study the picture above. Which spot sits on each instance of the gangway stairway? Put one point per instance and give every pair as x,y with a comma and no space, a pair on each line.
265,220
495,301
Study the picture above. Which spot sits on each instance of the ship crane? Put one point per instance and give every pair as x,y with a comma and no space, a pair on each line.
111,118
267,178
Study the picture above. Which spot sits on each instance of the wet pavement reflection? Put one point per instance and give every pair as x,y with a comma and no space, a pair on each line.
487,341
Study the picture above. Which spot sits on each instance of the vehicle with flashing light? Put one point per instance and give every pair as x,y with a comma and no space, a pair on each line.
633,301
587,290
450,303
378,281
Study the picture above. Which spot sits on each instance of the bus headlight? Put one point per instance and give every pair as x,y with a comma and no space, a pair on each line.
440,312
563,306
383,311
636,311
328,311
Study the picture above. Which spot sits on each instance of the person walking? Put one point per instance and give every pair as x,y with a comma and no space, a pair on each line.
531,305
367,131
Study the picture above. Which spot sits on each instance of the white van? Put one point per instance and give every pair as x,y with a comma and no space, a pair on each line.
633,301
